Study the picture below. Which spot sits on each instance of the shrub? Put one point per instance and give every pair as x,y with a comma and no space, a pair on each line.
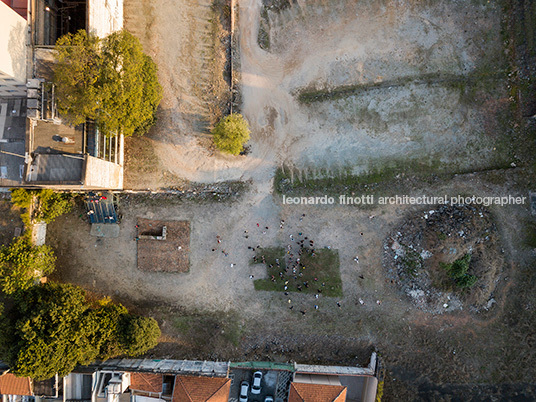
52,328
457,271
21,264
138,334
48,205
231,133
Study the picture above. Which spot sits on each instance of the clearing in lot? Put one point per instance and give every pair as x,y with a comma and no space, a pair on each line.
163,246
343,97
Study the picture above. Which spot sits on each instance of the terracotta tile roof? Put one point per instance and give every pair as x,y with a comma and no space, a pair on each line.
13,385
201,389
305,392
147,382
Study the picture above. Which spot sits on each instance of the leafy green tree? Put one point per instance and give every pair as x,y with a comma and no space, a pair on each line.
48,205
21,264
122,86
138,334
46,334
76,75
21,197
231,133
104,322
52,328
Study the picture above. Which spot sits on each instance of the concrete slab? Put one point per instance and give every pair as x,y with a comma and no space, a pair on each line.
104,230
39,233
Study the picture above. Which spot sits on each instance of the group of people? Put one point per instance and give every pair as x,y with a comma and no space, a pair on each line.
292,268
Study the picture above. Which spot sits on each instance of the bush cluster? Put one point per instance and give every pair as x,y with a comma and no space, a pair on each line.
457,271
231,133
52,328
22,264
47,204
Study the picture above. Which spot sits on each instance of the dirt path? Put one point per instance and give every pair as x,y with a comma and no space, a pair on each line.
183,39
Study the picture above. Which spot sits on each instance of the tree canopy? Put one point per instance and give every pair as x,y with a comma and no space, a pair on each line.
52,328
231,133
48,205
110,81
21,264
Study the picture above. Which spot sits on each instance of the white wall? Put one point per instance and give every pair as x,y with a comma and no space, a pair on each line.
103,174
13,38
105,16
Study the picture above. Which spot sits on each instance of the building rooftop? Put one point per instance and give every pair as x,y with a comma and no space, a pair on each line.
201,389
305,392
56,168
12,140
12,385
147,382
190,367
48,137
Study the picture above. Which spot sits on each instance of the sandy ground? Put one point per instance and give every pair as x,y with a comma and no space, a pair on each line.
179,36
317,44
405,335
321,45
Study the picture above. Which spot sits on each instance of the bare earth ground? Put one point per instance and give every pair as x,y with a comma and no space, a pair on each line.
219,300
323,45
381,50
171,254
9,221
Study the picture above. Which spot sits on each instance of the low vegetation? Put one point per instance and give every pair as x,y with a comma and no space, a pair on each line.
463,83
231,134
457,271
53,327
22,264
41,205
317,273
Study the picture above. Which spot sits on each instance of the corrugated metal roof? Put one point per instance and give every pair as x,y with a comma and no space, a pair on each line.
263,366
195,367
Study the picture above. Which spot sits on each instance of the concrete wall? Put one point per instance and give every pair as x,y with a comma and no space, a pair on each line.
105,16
103,174
13,38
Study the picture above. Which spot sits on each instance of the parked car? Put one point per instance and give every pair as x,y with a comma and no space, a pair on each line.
256,387
269,399
244,388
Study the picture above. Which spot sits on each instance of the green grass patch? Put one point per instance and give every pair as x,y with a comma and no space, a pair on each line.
530,235
290,181
457,271
381,179
322,266
221,328
454,81
182,324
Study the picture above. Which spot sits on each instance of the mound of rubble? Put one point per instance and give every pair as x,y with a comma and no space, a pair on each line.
446,258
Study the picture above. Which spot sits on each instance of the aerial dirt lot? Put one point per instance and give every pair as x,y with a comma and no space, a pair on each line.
331,89
425,83
213,311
